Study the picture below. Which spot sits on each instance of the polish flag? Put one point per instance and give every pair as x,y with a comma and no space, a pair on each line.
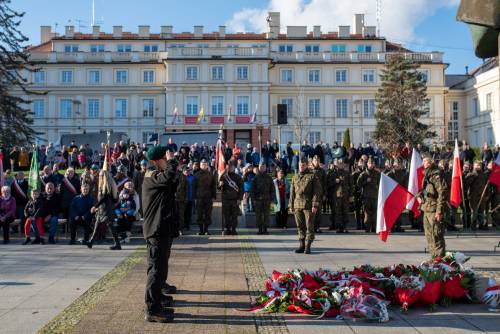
220,164
455,191
415,182
392,200
495,173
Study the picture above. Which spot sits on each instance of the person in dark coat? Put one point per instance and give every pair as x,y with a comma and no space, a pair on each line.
159,229
80,215
51,205
70,187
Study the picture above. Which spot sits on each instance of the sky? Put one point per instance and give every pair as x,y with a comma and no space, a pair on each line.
420,25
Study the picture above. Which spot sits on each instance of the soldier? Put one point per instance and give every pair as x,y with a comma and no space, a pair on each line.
401,177
305,198
358,202
476,182
204,190
262,193
343,188
465,205
368,182
432,201
320,174
121,177
331,184
181,196
231,185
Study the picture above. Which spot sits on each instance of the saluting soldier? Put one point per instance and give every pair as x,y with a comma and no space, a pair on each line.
305,198
398,174
320,174
432,201
262,193
331,185
358,200
368,181
476,182
231,185
343,182
204,190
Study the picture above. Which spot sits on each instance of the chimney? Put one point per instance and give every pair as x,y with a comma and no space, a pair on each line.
198,31
144,31
95,31
117,31
69,31
222,31
466,70
344,31
166,31
317,31
45,34
296,31
273,23
358,23
370,31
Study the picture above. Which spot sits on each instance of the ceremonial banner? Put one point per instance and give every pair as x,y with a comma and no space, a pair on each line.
200,115
220,164
495,173
455,191
34,178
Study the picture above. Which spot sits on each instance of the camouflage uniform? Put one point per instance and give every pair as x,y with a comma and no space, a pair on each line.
181,198
204,191
305,193
465,205
343,189
433,196
331,185
231,186
368,182
476,182
401,177
320,174
358,201
495,203
262,193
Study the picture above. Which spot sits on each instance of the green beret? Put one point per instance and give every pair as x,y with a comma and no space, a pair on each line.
156,152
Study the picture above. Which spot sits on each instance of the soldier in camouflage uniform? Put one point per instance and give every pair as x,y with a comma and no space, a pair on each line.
320,174
331,184
358,200
204,190
262,194
399,175
305,198
181,196
368,182
343,182
476,183
465,205
432,201
231,185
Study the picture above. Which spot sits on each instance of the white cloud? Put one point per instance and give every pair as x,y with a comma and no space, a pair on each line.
399,18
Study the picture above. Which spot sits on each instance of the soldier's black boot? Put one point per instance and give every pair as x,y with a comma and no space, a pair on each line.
260,230
202,230
233,231
205,230
264,230
302,247
308,247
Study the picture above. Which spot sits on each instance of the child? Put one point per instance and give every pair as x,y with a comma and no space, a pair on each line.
34,213
125,213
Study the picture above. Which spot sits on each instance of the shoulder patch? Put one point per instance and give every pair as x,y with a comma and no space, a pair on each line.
149,173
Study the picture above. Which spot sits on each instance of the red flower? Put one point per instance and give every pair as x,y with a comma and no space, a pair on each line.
310,283
406,296
431,292
332,312
453,289
275,275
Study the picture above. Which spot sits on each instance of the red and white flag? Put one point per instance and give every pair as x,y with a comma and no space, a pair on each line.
254,115
495,173
415,181
392,200
220,164
455,191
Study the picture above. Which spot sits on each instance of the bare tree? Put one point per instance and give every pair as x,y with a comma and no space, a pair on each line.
301,122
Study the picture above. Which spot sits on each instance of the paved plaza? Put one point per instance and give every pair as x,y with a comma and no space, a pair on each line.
217,276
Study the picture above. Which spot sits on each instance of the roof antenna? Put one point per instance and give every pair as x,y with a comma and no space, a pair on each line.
378,15
93,12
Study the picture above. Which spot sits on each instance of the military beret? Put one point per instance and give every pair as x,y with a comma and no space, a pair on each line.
156,152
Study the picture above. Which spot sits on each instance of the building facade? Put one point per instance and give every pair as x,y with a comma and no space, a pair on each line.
144,83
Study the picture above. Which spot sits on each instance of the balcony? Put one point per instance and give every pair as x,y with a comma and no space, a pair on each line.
97,57
243,52
353,57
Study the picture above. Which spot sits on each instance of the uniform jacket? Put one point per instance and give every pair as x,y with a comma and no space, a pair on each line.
434,190
368,182
305,191
262,188
320,174
475,183
343,181
231,193
181,193
204,186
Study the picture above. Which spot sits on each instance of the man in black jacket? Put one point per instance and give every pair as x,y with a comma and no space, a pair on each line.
159,229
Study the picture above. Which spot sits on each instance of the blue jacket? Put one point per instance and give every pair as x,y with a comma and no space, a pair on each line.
80,207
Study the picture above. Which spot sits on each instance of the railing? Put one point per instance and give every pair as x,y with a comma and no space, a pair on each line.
216,52
354,57
106,57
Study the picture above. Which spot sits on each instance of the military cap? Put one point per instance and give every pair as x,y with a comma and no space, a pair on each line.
156,152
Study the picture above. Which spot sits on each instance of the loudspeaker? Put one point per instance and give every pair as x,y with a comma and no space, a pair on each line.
282,114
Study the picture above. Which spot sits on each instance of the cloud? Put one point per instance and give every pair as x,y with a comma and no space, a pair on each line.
399,18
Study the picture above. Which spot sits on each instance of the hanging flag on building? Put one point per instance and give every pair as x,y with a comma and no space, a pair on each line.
2,180
495,173
415,181
392,200
254,115
455,191
201,115
220,164
34,176
229,112
175,113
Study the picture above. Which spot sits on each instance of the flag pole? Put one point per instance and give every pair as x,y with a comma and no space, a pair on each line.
464,205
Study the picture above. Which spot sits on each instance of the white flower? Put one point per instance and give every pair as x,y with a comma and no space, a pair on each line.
460,258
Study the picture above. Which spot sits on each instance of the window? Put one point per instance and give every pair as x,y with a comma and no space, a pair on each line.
121,76
424,75
368,136
66,108
289,105
148,76
192,105
192,73
453,121
38,108
242,105
364,48
286,75
340,137
67,76
314,137
121,108
314,108
151,48
285,48
287,136
336,48
93,106
312,48
341,107
94,77
39,77
146,136
217,105
490,138
97,48
242,72
488,102
148,106
475,107
476,138
314,76
369,76
217,73
340,75
369,108
124,48
71,48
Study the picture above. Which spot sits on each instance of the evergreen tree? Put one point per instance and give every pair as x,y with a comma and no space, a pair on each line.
401,102
347,138
15,118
